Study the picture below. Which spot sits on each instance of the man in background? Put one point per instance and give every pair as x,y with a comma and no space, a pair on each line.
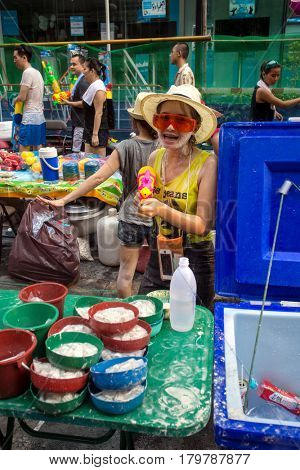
178,57
33,125
78,90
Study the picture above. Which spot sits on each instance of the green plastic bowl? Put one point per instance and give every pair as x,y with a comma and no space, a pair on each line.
37,317
156,327
158,307
65,362
57,408
164,296
89,301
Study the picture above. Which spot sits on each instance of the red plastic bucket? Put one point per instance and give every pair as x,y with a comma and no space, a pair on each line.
16,348
50,292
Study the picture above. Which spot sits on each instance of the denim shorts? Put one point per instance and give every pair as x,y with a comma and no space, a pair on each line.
133,234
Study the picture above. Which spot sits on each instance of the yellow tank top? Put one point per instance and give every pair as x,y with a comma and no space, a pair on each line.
181,194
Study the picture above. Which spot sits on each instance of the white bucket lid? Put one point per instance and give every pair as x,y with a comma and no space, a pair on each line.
48,152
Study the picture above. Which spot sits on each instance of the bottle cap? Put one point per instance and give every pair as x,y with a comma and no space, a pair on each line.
112,212
183,262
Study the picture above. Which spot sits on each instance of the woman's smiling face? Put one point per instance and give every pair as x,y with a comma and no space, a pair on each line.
170,138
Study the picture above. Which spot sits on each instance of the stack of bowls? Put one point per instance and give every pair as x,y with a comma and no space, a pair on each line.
70,392
121,389
155,319
108,331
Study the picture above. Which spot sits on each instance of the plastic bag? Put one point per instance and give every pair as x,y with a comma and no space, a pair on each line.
45,248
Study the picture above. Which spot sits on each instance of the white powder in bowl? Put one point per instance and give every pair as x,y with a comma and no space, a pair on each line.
107,354
136,333
76,350
35,299
126,365
46,369
146,308
81,328
83,312
119,395
114,315
54,398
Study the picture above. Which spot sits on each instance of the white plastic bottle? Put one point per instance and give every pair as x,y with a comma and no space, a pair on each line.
107,236
183,290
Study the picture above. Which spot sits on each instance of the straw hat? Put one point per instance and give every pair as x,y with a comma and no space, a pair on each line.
136,112
187,94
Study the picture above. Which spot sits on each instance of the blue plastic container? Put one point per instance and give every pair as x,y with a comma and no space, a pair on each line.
118,380
116,407
255,160
50,164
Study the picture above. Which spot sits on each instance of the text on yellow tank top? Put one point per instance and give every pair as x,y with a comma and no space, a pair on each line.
178,195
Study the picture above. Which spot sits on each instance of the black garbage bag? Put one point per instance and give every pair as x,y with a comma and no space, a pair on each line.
46,247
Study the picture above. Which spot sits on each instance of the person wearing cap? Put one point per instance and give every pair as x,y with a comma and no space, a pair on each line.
129,156
184,199
263,102
33,126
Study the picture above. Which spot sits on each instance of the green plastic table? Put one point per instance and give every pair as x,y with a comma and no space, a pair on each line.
178,397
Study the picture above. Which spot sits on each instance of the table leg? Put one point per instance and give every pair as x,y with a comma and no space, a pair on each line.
65,437
126,440
7,439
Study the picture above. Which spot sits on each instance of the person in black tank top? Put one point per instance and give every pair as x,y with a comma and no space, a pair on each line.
95,108
263,102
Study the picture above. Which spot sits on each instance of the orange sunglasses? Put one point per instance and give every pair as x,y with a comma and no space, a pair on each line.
180,123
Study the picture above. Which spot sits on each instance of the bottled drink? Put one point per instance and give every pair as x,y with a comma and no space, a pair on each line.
183,290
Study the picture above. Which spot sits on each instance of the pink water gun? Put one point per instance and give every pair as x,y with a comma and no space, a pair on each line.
146,180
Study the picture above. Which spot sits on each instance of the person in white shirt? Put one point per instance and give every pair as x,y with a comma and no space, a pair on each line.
178,57
33,125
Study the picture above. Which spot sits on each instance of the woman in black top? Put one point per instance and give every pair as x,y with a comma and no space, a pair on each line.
263,103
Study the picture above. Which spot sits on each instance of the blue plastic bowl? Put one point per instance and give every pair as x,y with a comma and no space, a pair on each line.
116,407
118,380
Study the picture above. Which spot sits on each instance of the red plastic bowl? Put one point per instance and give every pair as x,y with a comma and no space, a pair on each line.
16,348
128,346
60,324
102,328
51,292
57,385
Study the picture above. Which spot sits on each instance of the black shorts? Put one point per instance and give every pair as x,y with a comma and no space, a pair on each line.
103,135
133,234
201,258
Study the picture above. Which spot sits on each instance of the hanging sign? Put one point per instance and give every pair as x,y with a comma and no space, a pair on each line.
10,25
76,23
154,9
241,8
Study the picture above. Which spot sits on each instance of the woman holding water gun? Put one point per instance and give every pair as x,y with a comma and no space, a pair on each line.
183,202
129,156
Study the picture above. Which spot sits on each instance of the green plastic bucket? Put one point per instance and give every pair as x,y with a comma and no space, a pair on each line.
57,408
158,308
65,362
37,317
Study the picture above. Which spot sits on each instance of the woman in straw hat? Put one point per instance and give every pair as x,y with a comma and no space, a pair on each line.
183,204
129,156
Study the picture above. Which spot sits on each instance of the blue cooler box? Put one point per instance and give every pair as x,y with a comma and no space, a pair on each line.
255,160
